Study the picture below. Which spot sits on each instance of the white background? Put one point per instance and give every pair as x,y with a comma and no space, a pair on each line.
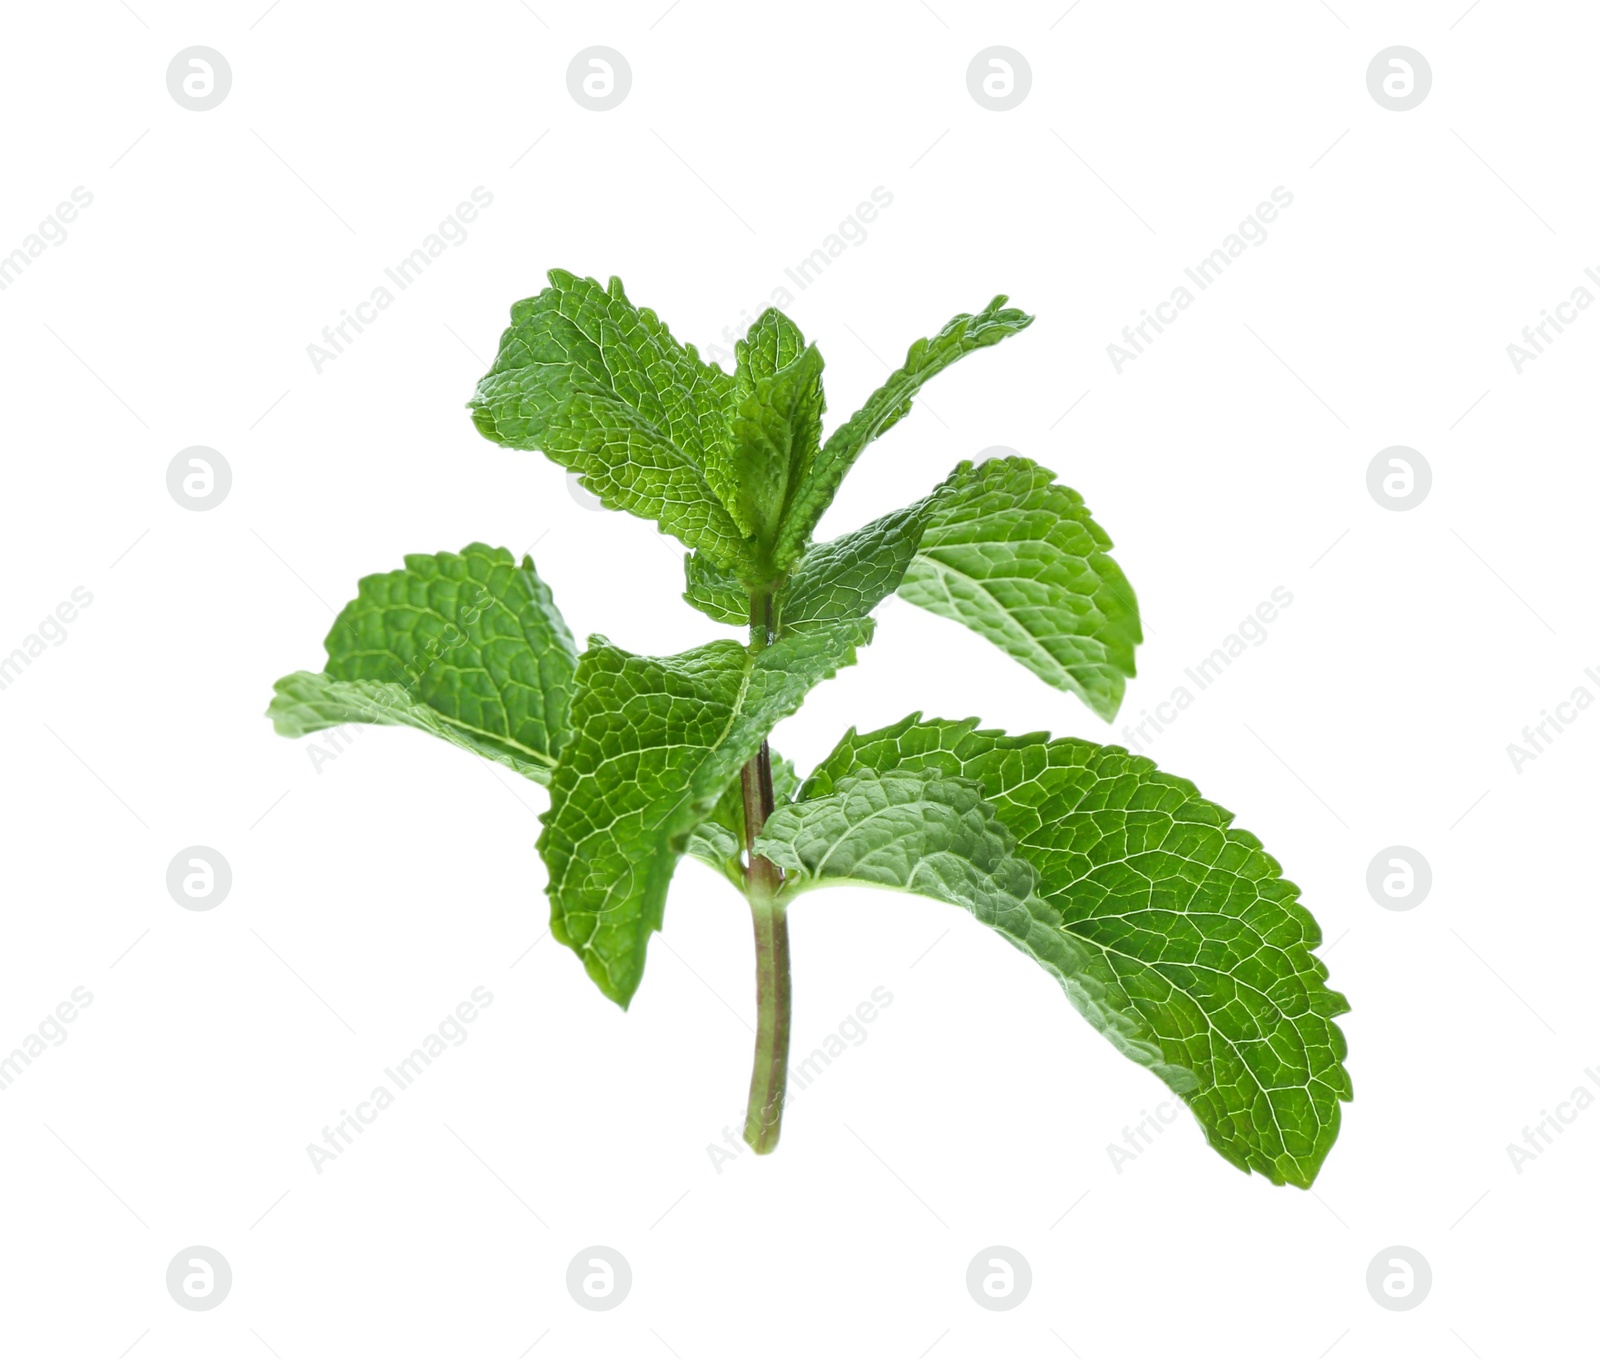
373,892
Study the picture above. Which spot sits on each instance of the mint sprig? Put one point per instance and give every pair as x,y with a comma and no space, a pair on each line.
1168,928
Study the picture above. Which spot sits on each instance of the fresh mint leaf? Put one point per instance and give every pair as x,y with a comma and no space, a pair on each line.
715,592
309,701
1169,929
601,387
777,428
1004,549
775,423
846,577
1017,558
818,478
773,342
1195,956
922,831
851,575
467,645
656,742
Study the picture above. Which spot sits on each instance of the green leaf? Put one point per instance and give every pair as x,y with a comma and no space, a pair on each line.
1003,549
655,744
601,387
1193,954
466,645
1018,559
715,592
777,428
775,423
309,701
846,577
773,342
818,478
849,576
918,830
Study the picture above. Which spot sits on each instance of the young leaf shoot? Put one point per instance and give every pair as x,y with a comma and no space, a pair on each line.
1169,929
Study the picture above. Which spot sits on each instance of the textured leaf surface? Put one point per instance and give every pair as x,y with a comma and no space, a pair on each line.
776,427
773,342
309,701
819,477
467,645
601,387
922,831
715,592
849,576
846,577
1194,956
1018,559
656,742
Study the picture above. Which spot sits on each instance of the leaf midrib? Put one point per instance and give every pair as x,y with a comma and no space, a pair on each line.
549,761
